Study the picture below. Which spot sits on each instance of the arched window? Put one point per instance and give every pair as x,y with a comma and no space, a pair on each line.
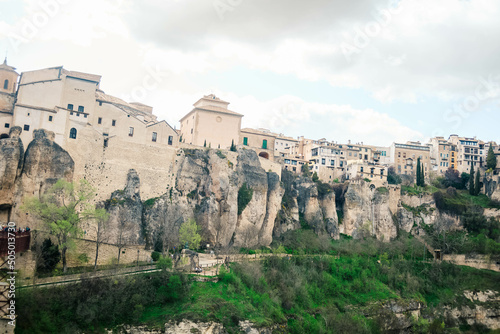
72,133
6,84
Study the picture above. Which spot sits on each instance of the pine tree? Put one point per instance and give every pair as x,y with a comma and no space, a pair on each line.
471,180
205,143
422,176
477,183
491,159
418,172
233,147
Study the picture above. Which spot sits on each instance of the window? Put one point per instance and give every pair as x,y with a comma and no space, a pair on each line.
361,170
99,120
170,140
245,141
154,136
71,113
70,106
323,161
26,127
113,123
72,133
264,144
50,118
131,131
80,108
6,84
85,115
7,125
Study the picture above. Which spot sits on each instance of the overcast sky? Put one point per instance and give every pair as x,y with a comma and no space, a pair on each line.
368,71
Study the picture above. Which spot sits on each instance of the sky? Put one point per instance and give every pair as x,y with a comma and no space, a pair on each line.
367,71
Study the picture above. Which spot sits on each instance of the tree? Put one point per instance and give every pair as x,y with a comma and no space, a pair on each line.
392,177
101,218
315,177
305,170
471,180
188,234
477,183
205,143
491,159
233,147
452,178
62,208
50,257
418,172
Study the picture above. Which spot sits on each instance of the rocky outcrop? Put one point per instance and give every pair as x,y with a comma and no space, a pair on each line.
29,173
492,186
318,210
367,212
125,214
207,186
11,164
44,163
484,309
189,327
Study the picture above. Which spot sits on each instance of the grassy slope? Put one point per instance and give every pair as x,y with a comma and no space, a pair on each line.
303,294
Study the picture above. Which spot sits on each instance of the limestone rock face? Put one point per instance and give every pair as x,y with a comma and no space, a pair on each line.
32,172
207,185
45,162
367,212
318,211
492,186
125,211
11,164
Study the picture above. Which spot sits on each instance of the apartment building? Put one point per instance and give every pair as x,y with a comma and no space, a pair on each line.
404,157
469,152
442,154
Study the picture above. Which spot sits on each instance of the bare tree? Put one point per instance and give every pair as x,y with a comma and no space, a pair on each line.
101,219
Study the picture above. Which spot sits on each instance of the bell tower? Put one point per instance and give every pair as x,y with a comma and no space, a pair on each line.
8,78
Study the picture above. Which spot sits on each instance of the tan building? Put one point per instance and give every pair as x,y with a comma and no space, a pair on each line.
442,154
211,123
68,102
377,174
283,145
293,164
261,141
404,157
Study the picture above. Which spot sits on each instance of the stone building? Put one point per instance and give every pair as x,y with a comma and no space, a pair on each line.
211,123
261,141
68,102
404,157
377,174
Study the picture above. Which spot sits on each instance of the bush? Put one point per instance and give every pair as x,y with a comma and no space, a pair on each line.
50,257
155,256
245,194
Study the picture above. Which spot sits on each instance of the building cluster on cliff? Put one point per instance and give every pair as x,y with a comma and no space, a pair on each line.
68,102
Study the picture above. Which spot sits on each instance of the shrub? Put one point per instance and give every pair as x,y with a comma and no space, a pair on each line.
155,256
245,194
50,257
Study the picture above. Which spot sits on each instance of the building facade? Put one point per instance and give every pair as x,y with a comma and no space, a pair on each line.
211,124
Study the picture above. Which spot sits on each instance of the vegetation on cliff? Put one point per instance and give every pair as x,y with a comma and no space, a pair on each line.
333,287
